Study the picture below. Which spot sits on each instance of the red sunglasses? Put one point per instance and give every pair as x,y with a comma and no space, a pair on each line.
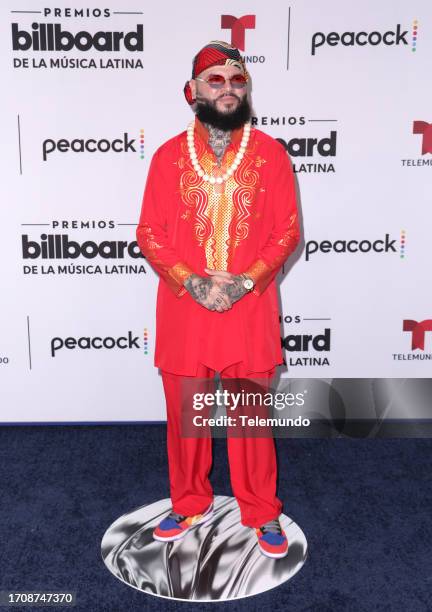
217,81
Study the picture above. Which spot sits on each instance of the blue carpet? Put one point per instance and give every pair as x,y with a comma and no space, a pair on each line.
364,505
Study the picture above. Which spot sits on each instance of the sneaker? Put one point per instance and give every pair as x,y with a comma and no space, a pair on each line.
175,526
272,540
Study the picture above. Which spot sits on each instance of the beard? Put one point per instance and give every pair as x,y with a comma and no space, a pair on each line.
230,120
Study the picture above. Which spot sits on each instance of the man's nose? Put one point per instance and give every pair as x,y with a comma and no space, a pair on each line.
227,85
227,88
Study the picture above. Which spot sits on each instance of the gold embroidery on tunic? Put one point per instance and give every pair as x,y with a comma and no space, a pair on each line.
290,233
222,210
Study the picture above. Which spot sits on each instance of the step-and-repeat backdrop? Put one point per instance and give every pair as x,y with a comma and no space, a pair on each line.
91,90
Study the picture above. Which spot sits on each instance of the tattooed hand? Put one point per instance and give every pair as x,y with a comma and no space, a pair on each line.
207,292
230,284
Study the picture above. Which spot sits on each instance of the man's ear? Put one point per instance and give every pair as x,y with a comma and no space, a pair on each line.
192,84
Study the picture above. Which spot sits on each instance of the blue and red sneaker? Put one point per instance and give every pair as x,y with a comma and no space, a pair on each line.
272,540
175,526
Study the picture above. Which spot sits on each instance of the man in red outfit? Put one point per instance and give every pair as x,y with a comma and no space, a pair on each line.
218,220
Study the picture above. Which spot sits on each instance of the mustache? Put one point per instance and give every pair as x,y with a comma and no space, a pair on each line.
228,95
202,99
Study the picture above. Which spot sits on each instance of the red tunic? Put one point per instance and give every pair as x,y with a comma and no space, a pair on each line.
248,224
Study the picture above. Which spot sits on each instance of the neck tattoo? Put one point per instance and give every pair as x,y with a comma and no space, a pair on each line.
218,140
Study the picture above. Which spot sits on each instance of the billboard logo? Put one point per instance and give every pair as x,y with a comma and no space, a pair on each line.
58,246
311,344
51,37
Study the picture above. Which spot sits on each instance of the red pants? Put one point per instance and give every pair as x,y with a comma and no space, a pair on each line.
252,460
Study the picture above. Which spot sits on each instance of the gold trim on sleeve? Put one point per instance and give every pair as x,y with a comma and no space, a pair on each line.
180,272
257,270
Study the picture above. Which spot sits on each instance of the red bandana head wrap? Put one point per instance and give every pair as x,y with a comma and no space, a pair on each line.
216,53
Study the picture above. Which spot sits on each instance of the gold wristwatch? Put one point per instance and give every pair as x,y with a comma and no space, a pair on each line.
248,283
